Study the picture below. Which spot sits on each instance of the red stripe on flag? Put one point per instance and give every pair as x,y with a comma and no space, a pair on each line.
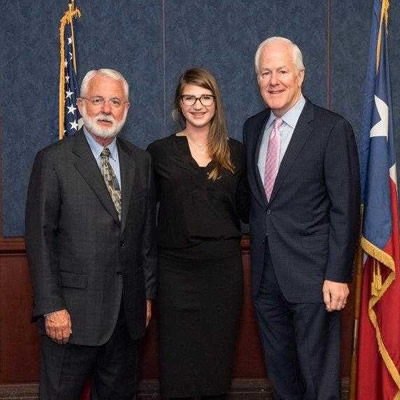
374,378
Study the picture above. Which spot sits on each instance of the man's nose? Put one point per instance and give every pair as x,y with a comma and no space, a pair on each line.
274,79
106,108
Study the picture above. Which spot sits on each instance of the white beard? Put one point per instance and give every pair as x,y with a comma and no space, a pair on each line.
104,133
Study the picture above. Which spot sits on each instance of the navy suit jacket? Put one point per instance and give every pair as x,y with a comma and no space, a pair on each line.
81,257
311,221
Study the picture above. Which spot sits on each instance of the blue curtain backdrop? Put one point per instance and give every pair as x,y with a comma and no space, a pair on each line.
152,42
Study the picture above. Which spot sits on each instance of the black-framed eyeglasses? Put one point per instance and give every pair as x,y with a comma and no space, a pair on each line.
98,101
205,99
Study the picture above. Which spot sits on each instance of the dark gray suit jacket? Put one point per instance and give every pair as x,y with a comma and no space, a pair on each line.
312,218
81,257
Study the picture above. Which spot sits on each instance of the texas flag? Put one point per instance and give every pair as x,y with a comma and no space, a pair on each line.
378,364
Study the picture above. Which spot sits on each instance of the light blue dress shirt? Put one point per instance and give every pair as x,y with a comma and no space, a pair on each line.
289,122
98,148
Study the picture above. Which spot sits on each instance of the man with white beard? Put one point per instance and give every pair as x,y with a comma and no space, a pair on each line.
91,250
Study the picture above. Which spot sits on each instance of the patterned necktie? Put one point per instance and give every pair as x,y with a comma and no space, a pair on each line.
110,180
272,160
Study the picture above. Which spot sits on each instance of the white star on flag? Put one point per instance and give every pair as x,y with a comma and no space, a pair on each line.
71,109
381,127
74,125
68,94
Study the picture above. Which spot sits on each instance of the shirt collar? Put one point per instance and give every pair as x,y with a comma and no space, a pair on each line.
98,148
291,116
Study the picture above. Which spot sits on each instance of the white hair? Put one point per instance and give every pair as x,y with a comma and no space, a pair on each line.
106,72
297,56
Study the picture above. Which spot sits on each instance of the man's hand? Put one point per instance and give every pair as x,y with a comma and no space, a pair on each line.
58,326
148,312
335,295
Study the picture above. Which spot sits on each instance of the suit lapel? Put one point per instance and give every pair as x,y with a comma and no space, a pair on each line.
300,135
87,166
127,165
258,184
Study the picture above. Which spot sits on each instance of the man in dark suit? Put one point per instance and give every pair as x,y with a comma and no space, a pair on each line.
91,250
304,179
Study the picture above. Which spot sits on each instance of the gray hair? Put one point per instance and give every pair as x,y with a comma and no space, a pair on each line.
297,56
106,72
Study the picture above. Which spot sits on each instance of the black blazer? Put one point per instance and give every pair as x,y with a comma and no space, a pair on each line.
192,207
81,257
311,220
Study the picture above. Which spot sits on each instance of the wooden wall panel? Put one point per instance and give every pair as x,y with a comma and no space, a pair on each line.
19,352
249,359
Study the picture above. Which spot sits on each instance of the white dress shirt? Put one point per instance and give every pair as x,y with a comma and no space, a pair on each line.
289,122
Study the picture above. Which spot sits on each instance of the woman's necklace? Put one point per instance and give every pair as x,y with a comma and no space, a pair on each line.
201,148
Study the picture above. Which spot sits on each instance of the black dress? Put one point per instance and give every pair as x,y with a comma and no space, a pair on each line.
200,269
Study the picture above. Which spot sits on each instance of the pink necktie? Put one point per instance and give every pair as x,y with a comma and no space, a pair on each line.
272,160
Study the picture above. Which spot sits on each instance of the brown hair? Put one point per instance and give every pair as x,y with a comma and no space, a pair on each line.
218,147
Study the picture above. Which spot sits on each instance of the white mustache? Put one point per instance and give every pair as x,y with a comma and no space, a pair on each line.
105,117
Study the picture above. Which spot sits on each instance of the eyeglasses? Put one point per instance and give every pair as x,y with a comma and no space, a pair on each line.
206,100
98,101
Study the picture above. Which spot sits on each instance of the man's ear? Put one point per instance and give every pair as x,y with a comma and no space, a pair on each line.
301,76
79,103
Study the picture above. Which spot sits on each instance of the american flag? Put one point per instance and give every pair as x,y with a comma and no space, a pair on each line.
378,364
69,119
71,86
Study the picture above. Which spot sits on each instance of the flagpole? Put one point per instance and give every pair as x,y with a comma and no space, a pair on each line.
357,306
61,88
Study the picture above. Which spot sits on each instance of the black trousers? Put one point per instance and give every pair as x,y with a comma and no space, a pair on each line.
301,343
111,367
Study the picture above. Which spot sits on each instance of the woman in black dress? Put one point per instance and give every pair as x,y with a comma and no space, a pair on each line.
198,171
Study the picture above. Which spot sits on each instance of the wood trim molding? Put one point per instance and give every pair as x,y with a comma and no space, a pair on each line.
16,245
12,245
242,389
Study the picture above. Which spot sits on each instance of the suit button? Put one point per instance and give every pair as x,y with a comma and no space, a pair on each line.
269,212
119,273
123,244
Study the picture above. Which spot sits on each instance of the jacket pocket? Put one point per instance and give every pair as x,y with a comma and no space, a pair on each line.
73,280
